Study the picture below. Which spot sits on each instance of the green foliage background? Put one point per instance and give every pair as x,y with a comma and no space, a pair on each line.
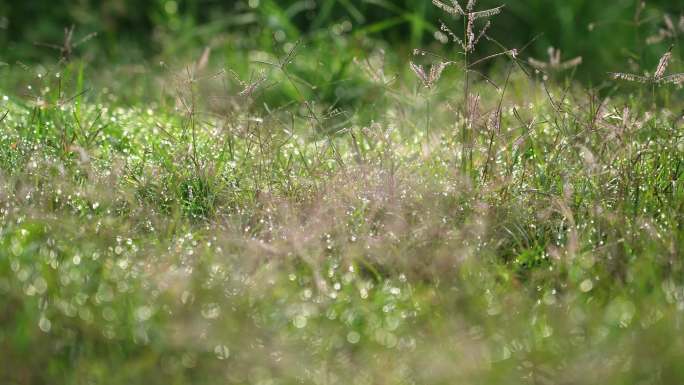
130,30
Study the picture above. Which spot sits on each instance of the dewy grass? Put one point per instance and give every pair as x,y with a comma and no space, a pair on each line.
223,233
467,42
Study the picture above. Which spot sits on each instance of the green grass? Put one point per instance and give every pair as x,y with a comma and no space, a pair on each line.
164,227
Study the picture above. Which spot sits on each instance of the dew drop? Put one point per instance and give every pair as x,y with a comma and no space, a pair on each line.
299,321
353,337
143,313
44,324
222,352
186,297
586,285
211,311
40,285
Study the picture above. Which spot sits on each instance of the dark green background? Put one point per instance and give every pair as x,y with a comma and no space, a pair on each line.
132,30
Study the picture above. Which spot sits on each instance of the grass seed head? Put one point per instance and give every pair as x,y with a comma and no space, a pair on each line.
454,9
428,79
662,65
471,5
628,77
486,13
676,79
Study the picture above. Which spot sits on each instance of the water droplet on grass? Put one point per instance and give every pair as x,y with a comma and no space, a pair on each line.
186,297
143,313
222,352
40,285
586,285
44,324
299,321
353,337
211,311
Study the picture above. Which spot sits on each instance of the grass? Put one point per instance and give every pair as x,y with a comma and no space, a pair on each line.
287,225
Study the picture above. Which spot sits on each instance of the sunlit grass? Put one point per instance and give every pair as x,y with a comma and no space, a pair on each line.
210,234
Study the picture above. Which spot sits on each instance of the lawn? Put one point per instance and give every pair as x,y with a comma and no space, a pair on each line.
339,208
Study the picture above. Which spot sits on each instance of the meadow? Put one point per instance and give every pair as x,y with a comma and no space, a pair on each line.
341,192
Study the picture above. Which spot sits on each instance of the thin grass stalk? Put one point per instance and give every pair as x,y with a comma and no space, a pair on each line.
427,117
466,114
